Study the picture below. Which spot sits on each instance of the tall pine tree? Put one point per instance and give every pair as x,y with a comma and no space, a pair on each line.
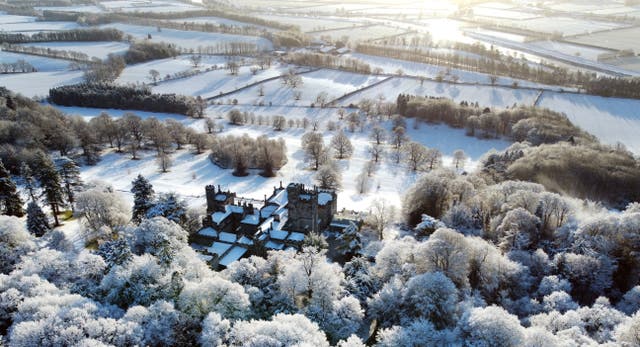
49,178
70,176
29,182
10,202
37,222
142,198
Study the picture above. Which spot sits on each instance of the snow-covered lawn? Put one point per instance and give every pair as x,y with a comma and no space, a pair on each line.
612,120
98,50
334,83
186,39
139,73
42,64
34,27
39,83
485,95
218,81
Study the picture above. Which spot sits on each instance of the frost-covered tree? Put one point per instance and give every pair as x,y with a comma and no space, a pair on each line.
214,294
415,154
170,206
37,221
159,237
101,207
491,326
378,135
215,330
314,149
30,184
70,178
143,196
10,201
459,159
281,330
420,332
628,332
115,252
432,296
15,241
381,215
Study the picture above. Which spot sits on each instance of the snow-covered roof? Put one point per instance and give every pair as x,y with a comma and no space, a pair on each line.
281,198
221,197
218,217
227,237
208,231
253,219
278,234
245,241
198,247
235,209
262,237
343,50
205,257
268,210
234,254
291,248
324,198
219,248
274,245
305,197
327,49
295,236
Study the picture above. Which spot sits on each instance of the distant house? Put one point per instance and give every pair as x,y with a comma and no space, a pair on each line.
237,227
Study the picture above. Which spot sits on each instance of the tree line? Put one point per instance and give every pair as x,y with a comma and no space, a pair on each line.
47,52
103,95
243,153
19,66
328,61
80,35
142,51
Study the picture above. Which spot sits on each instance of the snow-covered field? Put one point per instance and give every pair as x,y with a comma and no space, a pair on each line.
218,81
27,27
496,13
616,39
186,39
9,18
39,83
362,33
191,173
42,64
485,95
590,53
98,50
79,8
148,6
334,83
310,23
565,25
612,120
216,21
139,73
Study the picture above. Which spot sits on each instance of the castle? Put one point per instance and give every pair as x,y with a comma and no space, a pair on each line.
236,227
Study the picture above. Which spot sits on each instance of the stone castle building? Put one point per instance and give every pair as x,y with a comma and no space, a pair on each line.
236,227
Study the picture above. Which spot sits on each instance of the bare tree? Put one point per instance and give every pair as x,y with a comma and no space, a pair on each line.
381,214
209,125
154,75
297,95
195,60
164,162
314,149
200,142
328,176
376,151
342,145
279,123
398,137
415,155
261,90
459,158
434,158
322,99
233,67
363,181
378,134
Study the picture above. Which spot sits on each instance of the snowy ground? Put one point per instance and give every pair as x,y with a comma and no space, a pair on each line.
39,83
139,73
218,81
98,50
565,25
334,83
310,23
612,120
485,95
217,21
616,39
42,64
148,6
191,173
9,18
34,27
80,8
186,39
362,33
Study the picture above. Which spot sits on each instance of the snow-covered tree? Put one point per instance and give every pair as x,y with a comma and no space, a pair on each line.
214,294
328,176
491,326
143,195
281,330
10,201
341,145
37,221
15,241
50,182
381,215
170,206
101,207
70,178
159,237
315,151
420,332
215,330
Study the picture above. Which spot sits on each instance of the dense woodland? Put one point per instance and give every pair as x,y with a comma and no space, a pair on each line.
90,34
103,95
